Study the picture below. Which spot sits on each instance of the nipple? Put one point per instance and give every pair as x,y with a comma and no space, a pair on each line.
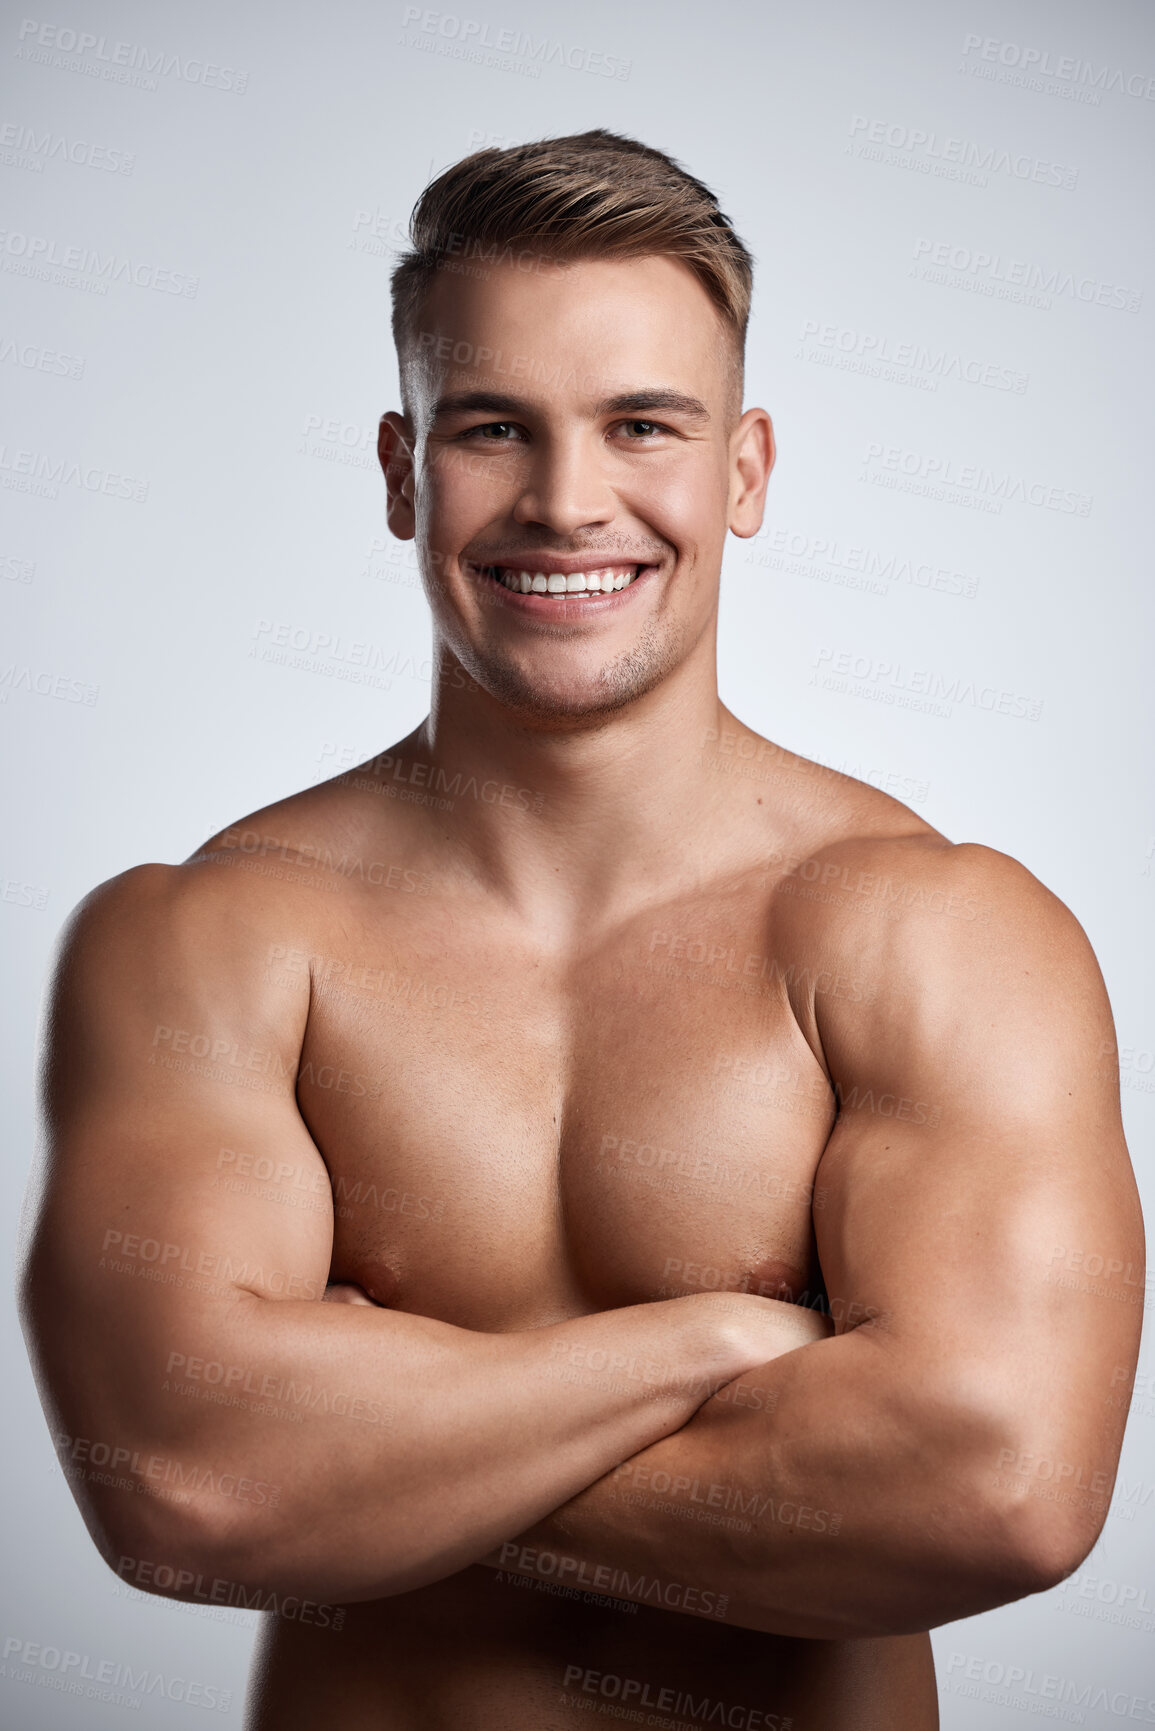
773,1278
382,1283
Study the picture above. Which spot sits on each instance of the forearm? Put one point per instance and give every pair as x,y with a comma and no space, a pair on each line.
816,1496
380,1450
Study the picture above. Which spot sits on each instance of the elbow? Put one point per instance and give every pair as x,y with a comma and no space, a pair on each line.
191,1549
990,1551
1043,1541
1016,1501
1048,1499
1022,1535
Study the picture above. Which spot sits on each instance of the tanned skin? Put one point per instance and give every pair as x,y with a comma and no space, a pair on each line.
697,1139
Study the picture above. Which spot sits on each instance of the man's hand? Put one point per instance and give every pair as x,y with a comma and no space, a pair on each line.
906,1475
391,1449
347,1292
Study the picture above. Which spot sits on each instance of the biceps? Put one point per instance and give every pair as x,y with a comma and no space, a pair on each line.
972,1251
158,1216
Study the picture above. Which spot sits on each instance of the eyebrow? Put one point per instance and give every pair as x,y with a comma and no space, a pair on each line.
632,403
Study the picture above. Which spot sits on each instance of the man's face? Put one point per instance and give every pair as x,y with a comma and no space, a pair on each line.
576,424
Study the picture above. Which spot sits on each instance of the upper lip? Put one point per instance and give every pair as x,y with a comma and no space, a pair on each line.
566,563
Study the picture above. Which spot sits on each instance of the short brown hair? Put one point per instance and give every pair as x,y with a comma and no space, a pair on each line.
592,195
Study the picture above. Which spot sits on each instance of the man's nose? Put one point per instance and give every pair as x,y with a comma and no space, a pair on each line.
566,488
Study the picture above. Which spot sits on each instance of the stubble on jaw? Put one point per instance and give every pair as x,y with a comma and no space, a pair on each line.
619,682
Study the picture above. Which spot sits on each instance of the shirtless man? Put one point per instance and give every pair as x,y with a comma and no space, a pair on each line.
701,1143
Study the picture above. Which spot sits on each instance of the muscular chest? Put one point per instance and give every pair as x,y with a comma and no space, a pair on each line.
512,1140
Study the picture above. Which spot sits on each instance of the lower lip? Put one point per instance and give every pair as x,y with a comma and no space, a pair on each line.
563,608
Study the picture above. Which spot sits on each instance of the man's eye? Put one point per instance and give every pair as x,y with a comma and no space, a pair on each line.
641,429
494,430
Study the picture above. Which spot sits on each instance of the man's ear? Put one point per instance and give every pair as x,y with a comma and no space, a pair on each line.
395,451
751,460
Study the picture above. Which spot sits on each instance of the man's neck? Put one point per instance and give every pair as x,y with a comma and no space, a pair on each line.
579,821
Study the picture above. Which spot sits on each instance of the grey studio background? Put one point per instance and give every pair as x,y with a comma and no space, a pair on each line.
203,610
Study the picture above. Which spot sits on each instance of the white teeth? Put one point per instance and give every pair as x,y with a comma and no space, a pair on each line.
562,583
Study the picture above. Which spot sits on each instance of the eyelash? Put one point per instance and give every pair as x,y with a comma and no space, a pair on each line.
634,421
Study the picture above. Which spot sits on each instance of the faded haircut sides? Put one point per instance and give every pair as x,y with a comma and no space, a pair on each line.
593,195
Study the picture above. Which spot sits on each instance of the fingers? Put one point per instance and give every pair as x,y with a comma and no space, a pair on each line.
344,1292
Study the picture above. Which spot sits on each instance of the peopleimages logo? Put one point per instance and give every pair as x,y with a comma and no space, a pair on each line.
70,50
944,478
1123,1603
902,362
37,472
846,565
994,275
476,38
1021,1686
925,689
99,1679
610,1686
913,147
37,359
22,147
990,56
52,260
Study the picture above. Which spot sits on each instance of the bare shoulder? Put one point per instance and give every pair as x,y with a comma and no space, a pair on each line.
915,894
878,916
162,948
953,974
278,874
153,913
329,828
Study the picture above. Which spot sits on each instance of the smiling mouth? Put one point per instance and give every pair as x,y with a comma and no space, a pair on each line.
600,580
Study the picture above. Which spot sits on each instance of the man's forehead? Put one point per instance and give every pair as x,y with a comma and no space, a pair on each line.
537,278
598,331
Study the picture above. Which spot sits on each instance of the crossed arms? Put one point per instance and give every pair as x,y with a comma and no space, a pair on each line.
953,1451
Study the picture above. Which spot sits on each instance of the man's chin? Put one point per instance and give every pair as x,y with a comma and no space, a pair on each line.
560,708
545,701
